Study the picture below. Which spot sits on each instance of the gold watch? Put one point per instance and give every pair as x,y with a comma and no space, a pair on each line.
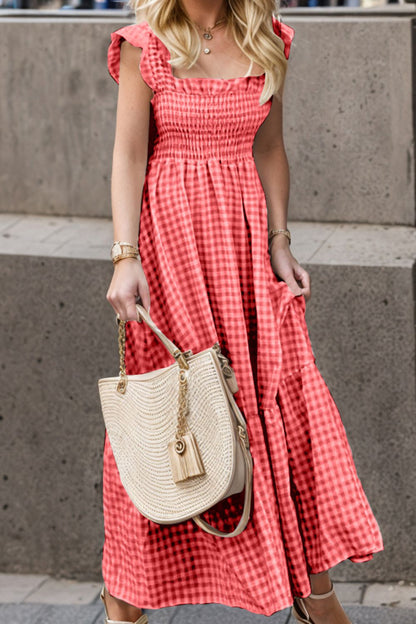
119,248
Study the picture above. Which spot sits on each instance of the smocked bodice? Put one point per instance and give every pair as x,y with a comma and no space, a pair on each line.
213,120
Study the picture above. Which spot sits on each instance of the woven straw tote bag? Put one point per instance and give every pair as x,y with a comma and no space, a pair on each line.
178,437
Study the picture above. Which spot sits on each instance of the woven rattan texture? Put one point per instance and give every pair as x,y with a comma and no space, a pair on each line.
142,422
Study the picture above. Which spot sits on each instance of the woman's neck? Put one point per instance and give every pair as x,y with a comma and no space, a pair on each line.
204,12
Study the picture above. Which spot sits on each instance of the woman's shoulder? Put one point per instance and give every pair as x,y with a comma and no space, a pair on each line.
136,34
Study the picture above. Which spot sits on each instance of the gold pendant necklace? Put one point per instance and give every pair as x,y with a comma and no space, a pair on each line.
208,32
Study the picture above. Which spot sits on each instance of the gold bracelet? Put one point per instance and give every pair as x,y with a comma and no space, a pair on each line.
286,233
126,254
119,248
121,243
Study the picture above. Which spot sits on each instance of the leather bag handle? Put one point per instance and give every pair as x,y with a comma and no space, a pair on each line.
170,346
248,487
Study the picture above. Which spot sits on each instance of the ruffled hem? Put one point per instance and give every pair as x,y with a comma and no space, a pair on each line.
281,602
285,32
137,35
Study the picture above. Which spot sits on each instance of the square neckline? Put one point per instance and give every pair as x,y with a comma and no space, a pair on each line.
215,79
198,78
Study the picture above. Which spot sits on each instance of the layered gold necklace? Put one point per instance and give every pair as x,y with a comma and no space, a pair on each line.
207,32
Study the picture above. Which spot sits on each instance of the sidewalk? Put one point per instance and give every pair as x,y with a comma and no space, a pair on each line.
41,599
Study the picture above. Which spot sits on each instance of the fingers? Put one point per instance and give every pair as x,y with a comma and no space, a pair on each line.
131,311
144,300
299,282
125,291
286,266
293,285
124,305
305,281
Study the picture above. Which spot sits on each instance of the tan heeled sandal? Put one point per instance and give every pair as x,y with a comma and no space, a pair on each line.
143,619
299,610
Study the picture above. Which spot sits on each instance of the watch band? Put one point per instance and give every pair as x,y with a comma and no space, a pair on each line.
120,247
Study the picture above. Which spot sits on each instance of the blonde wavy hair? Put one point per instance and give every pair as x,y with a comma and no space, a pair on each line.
250,23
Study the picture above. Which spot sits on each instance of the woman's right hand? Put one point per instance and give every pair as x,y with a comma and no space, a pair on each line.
127,285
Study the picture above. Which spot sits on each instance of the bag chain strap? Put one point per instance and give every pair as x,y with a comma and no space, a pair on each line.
122,382
183,382
183,386
182,411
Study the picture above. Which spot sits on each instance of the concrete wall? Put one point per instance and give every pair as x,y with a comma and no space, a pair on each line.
349,124
348,117
57,338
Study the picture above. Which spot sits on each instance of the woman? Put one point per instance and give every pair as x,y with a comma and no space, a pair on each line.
200,186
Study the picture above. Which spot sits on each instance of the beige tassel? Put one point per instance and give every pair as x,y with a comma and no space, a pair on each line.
185,459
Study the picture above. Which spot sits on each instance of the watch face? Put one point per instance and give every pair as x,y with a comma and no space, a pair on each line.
116,250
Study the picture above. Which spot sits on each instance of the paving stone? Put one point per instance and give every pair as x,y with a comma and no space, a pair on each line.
368,245
91,252
308,238
8,219
21,247
87,232
34,612
67,237
187,614
64,591
333,244
349,593
394,595
50,614
15,587
35,227
20,614
212,614
78,230
377,615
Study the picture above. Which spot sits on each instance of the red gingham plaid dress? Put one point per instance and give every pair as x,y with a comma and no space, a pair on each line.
204,245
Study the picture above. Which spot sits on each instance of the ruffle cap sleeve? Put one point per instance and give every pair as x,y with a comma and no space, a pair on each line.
285,32
137,35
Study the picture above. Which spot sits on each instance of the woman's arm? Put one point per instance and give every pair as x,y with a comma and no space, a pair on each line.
127,179
273,169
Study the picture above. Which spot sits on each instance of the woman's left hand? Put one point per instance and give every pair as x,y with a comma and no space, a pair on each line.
288,268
